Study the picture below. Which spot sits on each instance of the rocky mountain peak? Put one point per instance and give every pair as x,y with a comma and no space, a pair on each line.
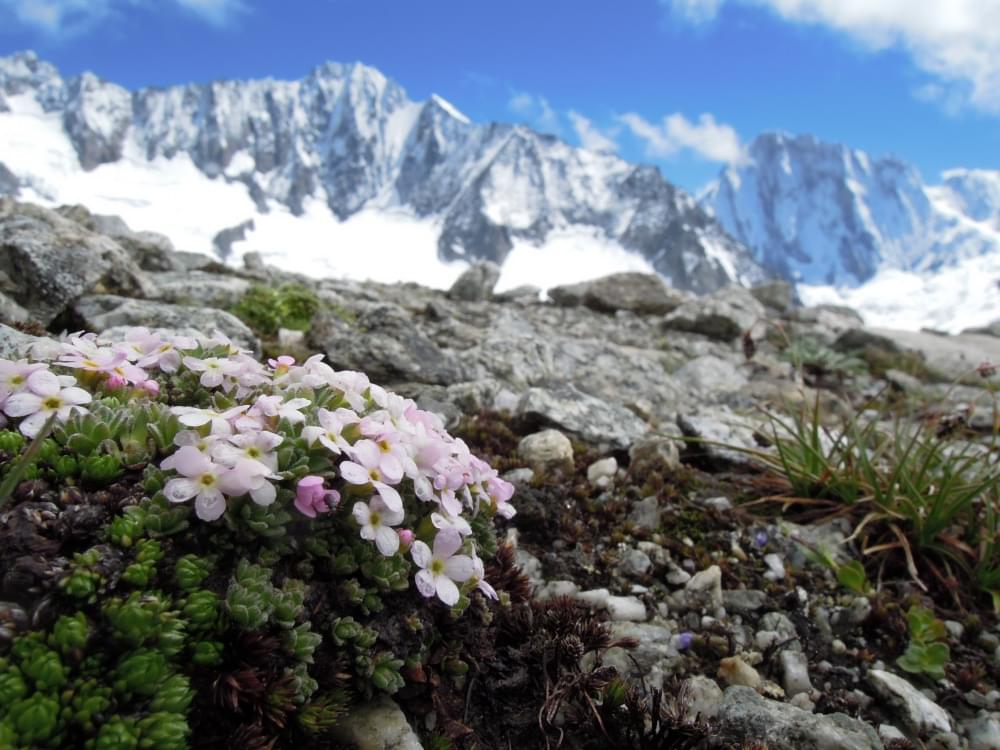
347,136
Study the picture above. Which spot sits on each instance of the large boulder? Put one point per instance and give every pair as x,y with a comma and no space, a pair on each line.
948,357
47,261
14,344
641,293
100,312
476,282
384,342
745,716
722,316
200,288
594,420
151,250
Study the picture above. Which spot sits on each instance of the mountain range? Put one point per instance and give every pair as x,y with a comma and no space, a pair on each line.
341,173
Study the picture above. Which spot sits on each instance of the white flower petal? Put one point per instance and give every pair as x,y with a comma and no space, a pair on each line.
421,555
387,540
210,505
425,583
22,404
447,591
181,489
459,568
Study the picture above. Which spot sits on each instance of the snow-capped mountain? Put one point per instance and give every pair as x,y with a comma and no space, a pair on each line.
867,231
340,172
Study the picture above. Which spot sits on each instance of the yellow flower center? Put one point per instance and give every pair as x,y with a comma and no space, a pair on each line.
52,402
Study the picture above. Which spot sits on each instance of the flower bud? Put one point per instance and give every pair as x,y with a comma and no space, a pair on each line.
406,538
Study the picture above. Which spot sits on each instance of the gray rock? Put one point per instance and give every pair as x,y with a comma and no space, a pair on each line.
948,357
476,282
10,311
704,590
918,713
594,420
101,312
734,671
716,428
253,261
602,471
742,601
823,322
795,670
626,608
646,513
546,450
384,343
723,316
745,715
9,182
14,344
654,646
551,589
151,250
653,454
378,725
526,293
701,696
199,288
776,295
635,562
640,293
990,329
984,731
711,376
903,381
47,261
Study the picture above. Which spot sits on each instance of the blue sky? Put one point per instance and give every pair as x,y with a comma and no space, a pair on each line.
685,84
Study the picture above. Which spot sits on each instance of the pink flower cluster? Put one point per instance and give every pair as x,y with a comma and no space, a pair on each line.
398,458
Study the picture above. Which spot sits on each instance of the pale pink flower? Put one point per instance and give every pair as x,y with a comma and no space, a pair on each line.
367,470
500,492
213,369
330,429
445,521
353,385
376,520
311,497
207,482
166,355
479,578
257,447
281,364
276,407
111,362
442,568
221,421
38,407
151,387
22,375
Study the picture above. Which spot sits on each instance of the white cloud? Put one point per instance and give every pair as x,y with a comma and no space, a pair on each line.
535,110
707,138
215,12
62,18
956,41
590,137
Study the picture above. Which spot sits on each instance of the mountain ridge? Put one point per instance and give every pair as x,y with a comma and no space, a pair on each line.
349,137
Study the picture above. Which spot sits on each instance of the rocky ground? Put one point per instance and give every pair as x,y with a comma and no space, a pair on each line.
628,415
